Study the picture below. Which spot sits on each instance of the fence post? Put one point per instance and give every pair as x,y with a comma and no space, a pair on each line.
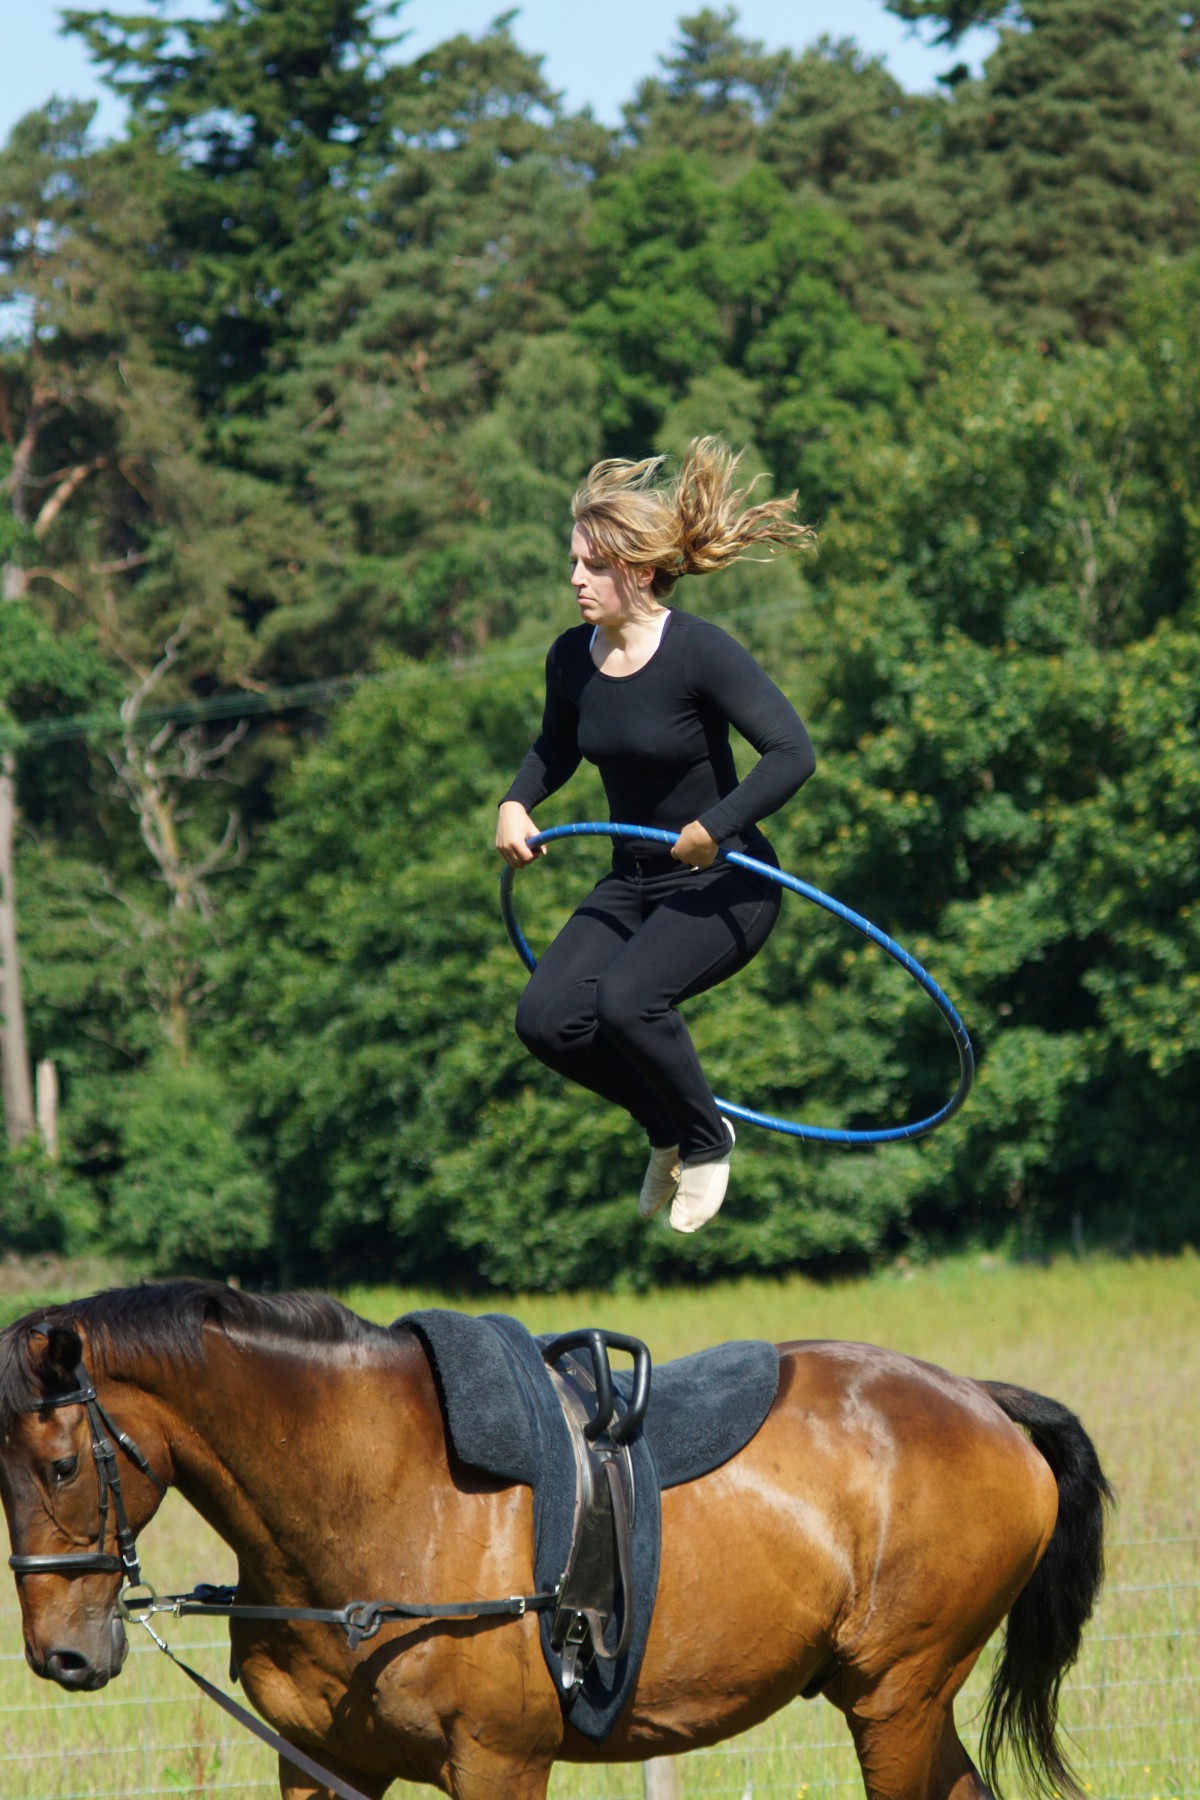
661,1778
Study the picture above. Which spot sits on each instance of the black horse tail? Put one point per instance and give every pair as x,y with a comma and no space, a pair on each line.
1046,1623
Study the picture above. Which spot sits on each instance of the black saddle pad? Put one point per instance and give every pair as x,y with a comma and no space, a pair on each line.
706,1407
703,1408
503,1418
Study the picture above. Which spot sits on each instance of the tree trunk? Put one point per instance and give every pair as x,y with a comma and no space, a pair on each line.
14,1055
45,1086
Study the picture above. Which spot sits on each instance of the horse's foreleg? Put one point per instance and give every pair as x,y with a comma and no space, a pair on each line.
474,1773
295,1786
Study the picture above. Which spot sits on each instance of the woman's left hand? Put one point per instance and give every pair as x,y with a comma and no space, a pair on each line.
695,847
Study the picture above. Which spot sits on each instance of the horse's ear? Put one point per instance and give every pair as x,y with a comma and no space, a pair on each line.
64,1353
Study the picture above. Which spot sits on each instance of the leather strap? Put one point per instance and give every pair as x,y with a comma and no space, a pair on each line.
71,1562
360,1619
622,1535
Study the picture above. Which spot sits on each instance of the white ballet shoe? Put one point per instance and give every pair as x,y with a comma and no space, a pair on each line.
701,1190
660,1180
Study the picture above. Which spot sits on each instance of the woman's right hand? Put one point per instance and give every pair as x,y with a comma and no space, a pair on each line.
513,826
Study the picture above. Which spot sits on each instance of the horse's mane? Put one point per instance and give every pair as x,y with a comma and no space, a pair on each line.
165,1321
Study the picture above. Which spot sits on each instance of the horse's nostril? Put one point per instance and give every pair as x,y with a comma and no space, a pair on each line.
70,1669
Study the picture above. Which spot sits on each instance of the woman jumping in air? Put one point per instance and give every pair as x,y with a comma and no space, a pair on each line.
648,694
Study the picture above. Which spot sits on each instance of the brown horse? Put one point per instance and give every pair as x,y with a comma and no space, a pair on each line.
865,1545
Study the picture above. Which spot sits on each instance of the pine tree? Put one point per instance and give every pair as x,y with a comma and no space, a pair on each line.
1073,159
713,94
124,536
955,16
438,412
843,131
260,121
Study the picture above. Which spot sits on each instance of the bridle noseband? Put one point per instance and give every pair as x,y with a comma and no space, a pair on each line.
105,1438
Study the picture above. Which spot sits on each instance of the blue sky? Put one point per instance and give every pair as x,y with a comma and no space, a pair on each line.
595,54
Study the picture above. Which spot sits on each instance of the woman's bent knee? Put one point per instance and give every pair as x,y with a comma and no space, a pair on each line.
550,1021
618,1008
533,1025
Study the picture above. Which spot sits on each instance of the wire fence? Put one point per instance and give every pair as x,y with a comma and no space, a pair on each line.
1131,1712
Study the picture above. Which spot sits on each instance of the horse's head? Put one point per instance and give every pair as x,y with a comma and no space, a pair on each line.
77,1487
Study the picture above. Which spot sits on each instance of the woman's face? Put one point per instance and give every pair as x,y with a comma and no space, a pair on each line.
607,593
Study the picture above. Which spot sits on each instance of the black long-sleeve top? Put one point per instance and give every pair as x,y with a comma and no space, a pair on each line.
660,737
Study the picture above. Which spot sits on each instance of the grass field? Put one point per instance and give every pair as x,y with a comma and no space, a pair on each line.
1119,1342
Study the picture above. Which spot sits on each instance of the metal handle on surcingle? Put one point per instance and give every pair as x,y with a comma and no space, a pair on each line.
639,1396
598,1343
591,1339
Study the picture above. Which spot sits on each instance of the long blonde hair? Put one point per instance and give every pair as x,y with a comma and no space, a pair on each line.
690,525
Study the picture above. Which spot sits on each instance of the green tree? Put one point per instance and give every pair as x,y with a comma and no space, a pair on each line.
713,93
844,133
1162,317
956,16
42,1205
997,587
253,126
362,977
1071,160
186,1198
133,574
38,675
437,416
1128,866
124,535
686,275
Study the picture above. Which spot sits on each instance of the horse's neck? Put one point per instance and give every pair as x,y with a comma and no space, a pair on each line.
290,1452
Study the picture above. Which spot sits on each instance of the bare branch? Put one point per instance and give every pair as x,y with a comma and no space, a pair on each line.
123,564
139,487
322,418
199,758
41,573
230,853
158,743
131,706
40,410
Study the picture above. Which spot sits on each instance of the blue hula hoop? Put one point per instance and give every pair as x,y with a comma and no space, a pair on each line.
813,1133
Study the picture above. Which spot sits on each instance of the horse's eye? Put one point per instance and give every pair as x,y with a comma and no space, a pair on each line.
63,1469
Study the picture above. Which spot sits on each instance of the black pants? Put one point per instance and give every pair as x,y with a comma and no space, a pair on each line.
601,1006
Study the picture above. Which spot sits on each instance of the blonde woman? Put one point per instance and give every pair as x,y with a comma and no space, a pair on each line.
648,693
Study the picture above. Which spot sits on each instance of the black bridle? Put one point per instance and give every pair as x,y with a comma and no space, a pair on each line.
106,1438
